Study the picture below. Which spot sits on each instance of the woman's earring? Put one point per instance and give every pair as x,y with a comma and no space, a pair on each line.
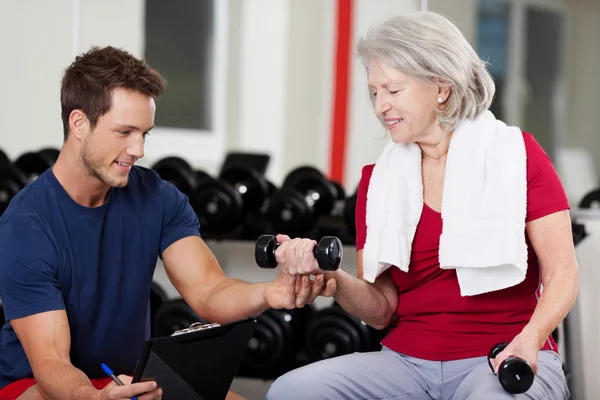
440,99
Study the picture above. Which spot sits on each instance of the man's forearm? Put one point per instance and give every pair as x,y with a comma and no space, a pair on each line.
231,300
62,381
362,299
554,304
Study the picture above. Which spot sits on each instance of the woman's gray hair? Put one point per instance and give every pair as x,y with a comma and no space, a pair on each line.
429,47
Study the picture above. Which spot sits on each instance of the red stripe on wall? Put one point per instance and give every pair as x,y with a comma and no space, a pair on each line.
339,120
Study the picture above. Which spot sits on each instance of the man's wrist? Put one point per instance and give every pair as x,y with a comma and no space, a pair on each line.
86,392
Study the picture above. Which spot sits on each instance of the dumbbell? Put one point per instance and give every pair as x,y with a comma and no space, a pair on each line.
4,160
174,315
12,181
34,163
223,204
579,232
591,200
157,298
350,214
2,318
179,173
304,196
332,332
276,343
515,374
328,252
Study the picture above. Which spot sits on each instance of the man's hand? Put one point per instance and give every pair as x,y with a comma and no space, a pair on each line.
524,346
295,291
142,390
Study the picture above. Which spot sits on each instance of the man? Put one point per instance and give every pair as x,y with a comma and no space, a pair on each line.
79,246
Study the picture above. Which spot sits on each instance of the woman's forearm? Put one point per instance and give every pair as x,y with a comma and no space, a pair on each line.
374,304
557,298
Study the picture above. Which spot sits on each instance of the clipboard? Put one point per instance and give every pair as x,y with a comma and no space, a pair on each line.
195,363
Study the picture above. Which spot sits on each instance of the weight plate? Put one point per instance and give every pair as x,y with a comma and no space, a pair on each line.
272,188
264,254
289,213
332,332
267,346
350,214
12,181
252,186
4,160
218,206
50,154
202,176
591,200
341,193
178,172
301,173
33,165
157,298
174,315
314,186
277,339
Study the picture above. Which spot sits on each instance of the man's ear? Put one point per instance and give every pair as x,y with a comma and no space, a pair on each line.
78,124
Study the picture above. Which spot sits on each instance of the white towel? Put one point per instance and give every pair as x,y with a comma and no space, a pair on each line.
483,207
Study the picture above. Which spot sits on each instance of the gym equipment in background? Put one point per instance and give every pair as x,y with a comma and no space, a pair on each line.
591,200
276,344
12,181
179,173
350,214
224,205
328,252
157,298
172,316
34,163
305,196
515,374
332,332
15,176
3,159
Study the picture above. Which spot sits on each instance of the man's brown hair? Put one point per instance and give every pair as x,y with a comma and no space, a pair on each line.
88,82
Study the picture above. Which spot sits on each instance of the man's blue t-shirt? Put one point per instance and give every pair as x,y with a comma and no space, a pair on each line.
95,263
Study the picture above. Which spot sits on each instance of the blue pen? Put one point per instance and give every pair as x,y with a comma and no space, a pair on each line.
110,373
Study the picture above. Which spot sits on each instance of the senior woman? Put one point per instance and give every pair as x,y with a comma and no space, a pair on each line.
463,235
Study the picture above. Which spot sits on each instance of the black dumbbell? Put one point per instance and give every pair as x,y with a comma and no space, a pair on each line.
34,163
157,298
515,374
591,200
4,160
174,315
350,214
179,173
579,232
328,252
332,332
304,196
12,181
223,204
276,343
